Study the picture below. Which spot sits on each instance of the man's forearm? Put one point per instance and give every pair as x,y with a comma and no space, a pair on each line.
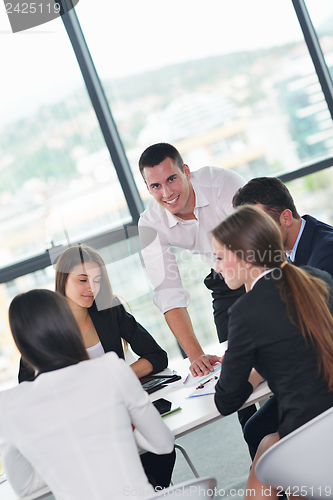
180,324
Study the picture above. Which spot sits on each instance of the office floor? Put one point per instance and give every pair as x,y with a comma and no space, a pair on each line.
217,450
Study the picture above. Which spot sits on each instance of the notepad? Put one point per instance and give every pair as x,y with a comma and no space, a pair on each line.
208,381
195,381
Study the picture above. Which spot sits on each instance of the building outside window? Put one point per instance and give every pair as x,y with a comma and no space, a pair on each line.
228,87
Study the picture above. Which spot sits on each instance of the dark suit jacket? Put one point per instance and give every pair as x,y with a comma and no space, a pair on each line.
315,247
262,336
111,326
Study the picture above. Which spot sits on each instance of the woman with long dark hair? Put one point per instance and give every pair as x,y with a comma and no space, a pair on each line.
280,330
70,428
81,277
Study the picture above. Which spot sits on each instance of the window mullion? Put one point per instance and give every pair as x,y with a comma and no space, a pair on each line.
315,51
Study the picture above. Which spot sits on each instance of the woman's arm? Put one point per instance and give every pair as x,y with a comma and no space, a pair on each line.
142,343
142,367
150,432
234,387
255,378
20,474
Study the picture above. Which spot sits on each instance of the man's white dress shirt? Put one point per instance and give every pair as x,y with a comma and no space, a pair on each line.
70,429
160,230
292,254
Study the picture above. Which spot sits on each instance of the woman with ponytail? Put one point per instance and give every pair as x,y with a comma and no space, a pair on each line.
280,330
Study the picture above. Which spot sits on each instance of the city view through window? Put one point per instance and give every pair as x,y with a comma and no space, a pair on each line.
228,87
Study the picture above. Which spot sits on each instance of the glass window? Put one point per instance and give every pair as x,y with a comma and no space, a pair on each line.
227,86
57,181
313,195
131,285
321,13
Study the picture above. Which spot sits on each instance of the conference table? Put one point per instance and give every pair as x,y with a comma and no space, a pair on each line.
195,412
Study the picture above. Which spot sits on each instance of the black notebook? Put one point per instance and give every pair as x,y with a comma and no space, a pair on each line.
152,383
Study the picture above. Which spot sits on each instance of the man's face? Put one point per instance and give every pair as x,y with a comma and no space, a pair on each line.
170,187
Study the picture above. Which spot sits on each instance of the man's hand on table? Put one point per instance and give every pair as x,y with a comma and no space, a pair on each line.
204,365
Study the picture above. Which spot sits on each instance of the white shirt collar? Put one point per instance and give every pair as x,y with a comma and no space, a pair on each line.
293,252
261,275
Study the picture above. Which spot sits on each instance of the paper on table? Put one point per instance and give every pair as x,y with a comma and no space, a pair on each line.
195,381
208,388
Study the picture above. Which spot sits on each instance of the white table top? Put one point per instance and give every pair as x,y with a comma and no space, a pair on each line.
198,411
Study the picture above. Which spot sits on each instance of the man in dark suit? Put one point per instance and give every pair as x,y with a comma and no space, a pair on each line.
307,241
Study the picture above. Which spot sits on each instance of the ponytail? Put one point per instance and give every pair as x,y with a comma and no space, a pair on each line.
306,298
254,237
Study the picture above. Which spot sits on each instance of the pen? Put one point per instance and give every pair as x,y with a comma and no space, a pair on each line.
203,383
186,378
172,411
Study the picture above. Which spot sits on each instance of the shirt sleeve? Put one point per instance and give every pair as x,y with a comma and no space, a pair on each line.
142,343
151,433
162,269
20,474
233,388
230,184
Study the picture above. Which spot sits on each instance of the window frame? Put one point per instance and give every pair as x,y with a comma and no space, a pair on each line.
116,148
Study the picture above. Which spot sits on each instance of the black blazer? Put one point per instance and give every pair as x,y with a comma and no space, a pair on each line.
315,247
262,336
112,325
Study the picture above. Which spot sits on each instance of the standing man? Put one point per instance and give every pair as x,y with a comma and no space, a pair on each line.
185,208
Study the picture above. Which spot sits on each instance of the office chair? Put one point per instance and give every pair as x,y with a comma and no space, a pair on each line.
301,463
199,488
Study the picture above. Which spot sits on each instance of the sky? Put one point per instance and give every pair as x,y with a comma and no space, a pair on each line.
130,36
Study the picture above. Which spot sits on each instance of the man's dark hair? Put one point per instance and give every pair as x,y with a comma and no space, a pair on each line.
268,191
157,153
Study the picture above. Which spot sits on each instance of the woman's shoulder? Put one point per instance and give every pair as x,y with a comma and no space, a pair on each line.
319,273
264,290
115,307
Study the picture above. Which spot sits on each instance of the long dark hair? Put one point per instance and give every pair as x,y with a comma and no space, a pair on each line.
254,237
44,330
81,254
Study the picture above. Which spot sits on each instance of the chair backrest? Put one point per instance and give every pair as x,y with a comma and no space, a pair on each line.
202,487
302,461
